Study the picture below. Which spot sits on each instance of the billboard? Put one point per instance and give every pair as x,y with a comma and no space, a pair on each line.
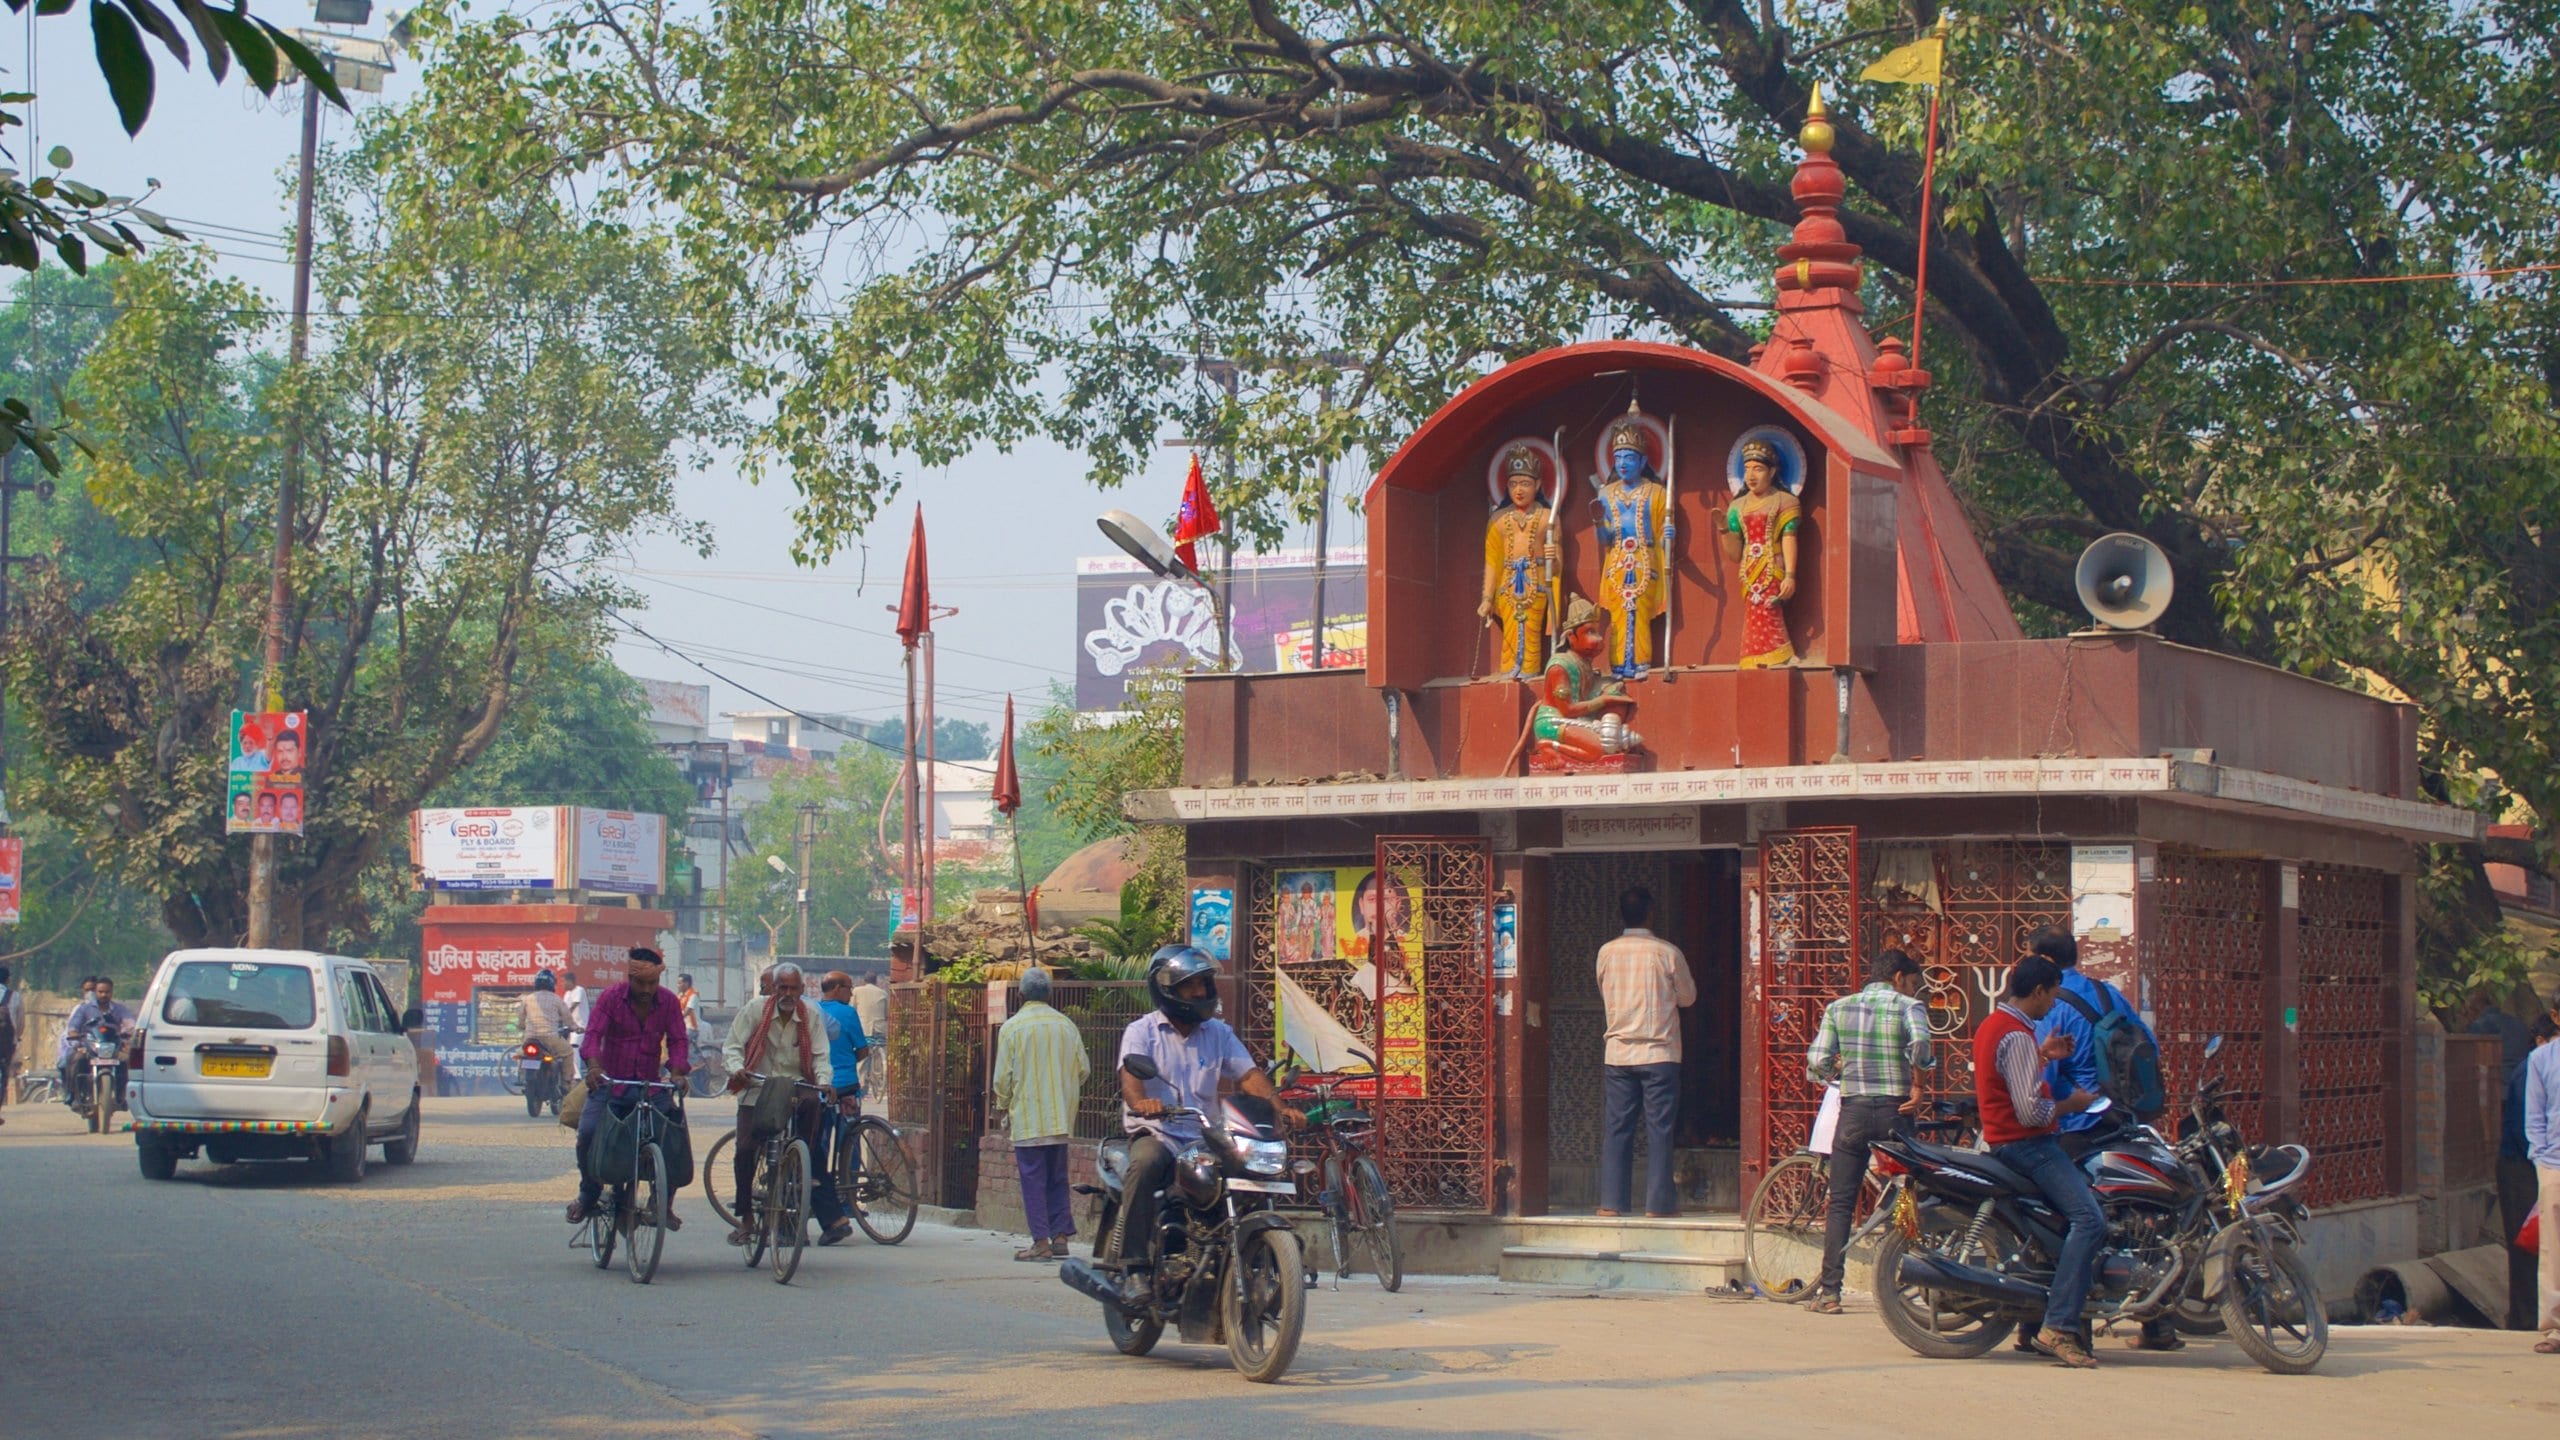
1128,620
517,847
267,751
622,851
13,854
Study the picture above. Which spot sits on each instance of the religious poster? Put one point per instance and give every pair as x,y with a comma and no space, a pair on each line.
1348,947
267,752
1213,923
1506,941
2102,914
13,854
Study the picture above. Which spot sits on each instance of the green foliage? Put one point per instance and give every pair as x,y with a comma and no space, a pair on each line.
1092,765
468,461
1136,935
853,877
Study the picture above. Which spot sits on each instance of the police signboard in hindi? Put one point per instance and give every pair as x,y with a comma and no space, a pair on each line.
268,748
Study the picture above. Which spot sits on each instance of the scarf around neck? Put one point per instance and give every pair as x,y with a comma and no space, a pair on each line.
764,1029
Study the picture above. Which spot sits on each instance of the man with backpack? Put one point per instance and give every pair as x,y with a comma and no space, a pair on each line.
2113,1054
13,1019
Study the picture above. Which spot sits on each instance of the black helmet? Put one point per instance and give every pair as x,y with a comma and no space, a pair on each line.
1173,965
545,980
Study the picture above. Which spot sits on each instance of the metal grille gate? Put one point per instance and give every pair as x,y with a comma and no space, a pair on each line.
2204,964
1803,956
1993,895
2346,945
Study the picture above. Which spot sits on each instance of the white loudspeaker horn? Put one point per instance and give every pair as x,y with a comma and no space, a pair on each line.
2124,581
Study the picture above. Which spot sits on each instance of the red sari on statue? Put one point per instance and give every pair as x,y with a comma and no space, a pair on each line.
1764,619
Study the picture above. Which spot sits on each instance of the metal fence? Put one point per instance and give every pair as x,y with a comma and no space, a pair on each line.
937,1080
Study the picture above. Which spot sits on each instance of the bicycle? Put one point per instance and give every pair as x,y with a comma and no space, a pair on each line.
1783,1227
38,1087
880,1193
635,1210
1353,1190
874,1176
782,1192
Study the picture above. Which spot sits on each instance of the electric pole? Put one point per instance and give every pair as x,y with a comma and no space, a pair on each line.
808,843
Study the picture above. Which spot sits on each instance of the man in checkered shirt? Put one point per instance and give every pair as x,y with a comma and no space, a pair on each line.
1874,1044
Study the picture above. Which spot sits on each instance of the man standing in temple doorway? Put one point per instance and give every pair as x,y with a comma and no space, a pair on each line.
1644,983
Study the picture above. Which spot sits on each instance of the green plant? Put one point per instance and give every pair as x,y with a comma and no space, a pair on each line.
1133,937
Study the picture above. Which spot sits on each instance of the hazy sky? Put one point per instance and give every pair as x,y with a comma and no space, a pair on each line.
1005,528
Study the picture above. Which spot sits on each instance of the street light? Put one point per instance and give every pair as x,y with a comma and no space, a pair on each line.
1140,542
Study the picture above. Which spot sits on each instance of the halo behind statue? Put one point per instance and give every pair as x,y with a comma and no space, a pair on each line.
1497,477
1791,469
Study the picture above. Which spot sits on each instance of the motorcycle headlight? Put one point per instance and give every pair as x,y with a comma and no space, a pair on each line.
1265,1157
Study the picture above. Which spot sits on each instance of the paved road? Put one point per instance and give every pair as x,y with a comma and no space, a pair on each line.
443,1300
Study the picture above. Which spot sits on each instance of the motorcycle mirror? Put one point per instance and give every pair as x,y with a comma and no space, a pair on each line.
2213,1047
1140,1066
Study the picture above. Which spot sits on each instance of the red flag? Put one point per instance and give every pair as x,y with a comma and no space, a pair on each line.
915,597
1008,788
1198,519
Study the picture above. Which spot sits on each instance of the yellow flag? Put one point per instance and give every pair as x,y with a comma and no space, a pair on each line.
1914,64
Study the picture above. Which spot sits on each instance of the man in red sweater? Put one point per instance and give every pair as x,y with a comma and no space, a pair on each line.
2018,1123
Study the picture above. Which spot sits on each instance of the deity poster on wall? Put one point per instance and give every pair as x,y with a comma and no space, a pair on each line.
1347,946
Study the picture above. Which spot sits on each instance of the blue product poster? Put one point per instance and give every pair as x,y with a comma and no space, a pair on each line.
1213,922
1506,942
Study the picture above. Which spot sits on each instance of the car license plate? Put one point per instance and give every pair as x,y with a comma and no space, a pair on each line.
1265,1187
238,1067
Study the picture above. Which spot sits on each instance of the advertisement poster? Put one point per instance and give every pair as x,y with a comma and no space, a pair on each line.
491,848
1213,923
267,751
13,854
1128,620
1346,946
621,851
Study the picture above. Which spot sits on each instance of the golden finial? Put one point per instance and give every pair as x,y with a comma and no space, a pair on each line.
1817,133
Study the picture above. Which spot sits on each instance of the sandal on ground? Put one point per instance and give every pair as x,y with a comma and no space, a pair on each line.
2547,1345
674,1221
577,1211
836,1234
1824,1302
739,1237
2161,1344
1610,1214
1036,1250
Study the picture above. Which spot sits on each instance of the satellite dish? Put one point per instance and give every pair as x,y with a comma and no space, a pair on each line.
2124,581
1140,540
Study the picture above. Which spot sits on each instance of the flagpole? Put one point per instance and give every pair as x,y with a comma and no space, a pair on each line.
1928,177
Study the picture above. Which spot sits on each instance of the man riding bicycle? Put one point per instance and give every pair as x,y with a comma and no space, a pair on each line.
637,1028
779,1040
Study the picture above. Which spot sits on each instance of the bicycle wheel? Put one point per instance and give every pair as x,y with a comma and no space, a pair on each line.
712,1169
1336,1202
768,1185
884,1192
602,1224
1376,1218
1782,1228
648,1214
789,1208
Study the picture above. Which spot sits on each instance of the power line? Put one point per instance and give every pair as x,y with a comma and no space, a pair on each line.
857,629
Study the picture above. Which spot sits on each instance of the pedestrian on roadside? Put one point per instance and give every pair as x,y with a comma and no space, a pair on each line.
2518,1187
845,1044
692,1004
13,1023
1644,983
1873,1044
575,1000
2542,1143
871,1002
2019,1119
1040,1072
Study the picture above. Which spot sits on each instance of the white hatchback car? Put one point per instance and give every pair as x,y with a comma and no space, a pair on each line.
271,1055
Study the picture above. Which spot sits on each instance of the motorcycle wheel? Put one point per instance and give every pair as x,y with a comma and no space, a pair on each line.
1129,1335
1264,1304
1915,1316
1377,1221
533,1096
2272,1309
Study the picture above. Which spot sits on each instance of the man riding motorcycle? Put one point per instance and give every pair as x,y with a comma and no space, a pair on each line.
101,1011
545,1018
1193,1052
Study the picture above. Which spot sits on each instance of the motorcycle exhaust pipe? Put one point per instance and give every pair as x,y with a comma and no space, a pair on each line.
1936,1272
1081,1276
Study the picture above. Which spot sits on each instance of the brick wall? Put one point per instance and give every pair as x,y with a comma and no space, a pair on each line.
1000,1186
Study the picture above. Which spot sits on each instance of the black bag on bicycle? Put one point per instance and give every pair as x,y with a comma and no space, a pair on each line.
771,1110
614,1148
675,1138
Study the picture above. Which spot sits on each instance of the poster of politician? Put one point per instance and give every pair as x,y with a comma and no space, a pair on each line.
268,750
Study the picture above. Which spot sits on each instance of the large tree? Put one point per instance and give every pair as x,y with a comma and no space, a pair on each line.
508,389
2165,277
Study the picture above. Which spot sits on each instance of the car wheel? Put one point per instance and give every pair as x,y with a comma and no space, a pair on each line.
159,1158
346,1152
402,1148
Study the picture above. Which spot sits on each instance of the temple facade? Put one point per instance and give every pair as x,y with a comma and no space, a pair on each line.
1830,737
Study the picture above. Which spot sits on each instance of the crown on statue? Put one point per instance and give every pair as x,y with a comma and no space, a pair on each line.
1521,460
1627,434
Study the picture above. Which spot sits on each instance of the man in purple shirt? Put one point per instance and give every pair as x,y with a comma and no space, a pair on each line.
629,1027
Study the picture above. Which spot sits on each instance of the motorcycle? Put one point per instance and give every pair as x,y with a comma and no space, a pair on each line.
1227,1266
1970,1254
97,1077
546,1080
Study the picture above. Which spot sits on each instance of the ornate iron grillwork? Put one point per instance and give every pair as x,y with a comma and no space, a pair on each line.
1993,894
1806,957
2204,964
1437,1148
2346,955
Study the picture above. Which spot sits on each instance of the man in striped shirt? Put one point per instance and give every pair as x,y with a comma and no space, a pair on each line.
1873,1044
1644,982
1039,1076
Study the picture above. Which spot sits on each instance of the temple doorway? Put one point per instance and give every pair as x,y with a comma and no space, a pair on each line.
1698,906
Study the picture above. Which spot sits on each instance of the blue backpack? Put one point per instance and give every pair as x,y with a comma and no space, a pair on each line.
2128,1058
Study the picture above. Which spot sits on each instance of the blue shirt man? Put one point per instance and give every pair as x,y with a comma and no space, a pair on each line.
2542,1117
845,1040
2080,1070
